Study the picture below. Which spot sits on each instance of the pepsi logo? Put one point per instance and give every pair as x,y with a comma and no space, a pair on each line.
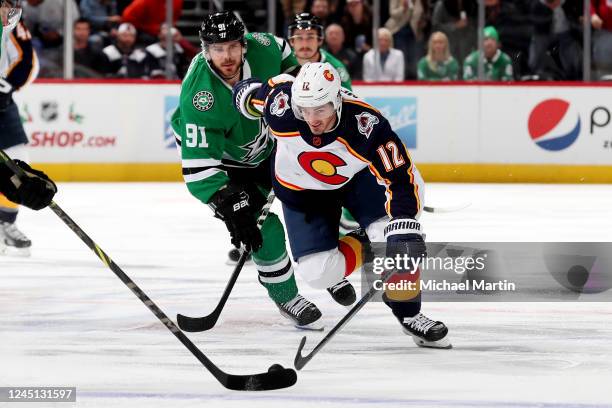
554,124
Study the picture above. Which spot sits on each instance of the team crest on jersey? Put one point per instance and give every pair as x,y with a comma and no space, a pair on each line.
365,123
262,39
280,104
203,101
328,75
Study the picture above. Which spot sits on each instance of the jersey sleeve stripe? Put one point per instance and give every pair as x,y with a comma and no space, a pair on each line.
192,178
191,163
361,103
284,134
287,184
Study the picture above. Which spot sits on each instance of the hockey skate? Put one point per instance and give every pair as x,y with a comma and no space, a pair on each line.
426,332
234,255
13,241
303,313
343,292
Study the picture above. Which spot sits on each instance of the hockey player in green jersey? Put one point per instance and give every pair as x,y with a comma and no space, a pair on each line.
306,38
226,157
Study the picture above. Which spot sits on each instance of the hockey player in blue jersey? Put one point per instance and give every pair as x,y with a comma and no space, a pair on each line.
335,150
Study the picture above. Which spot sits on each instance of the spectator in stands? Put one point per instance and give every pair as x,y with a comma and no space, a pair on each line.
334,44
88,60
45,19
123,59
321,9
155,61
497,64
290,9
149,15
511,19
601,20
438,64
357,23
458,20
400,14
386,63
102,14
556,51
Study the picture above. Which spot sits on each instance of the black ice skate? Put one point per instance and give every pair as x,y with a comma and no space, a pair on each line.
426,332
13,241
303,313
234,255
343,292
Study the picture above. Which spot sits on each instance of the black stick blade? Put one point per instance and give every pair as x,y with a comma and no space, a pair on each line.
195,324
300,361
274,379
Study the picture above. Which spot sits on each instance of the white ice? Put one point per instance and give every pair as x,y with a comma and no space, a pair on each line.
66,320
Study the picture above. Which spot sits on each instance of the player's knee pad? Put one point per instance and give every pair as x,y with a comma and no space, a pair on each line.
376,230
322,269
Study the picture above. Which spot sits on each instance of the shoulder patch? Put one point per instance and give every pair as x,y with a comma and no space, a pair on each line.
203,101
262,39
280,104
365,123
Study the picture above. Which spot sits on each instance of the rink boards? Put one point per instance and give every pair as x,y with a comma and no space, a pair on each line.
88,131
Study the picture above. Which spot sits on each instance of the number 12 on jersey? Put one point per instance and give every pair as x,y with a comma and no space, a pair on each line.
193,133
398,160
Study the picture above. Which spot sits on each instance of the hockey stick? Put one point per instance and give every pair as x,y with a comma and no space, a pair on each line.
300,360
199,324
277,377
447,209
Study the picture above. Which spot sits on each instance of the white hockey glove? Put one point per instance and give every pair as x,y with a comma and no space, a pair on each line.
242,93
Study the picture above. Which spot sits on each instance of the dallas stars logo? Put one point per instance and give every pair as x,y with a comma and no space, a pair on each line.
258,145
203,101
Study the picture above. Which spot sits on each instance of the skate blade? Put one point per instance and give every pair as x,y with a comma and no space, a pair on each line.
443,343
314,326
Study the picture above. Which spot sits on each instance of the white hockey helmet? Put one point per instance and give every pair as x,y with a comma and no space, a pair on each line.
317,84
10,14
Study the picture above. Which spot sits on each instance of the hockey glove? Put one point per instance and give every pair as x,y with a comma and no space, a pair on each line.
404,237
242,93
34,190
238,209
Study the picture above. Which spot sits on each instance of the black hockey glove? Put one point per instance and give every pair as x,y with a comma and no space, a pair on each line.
242,93
34,190
238,209
404,237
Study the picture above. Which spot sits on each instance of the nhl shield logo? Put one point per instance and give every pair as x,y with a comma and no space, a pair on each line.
365,123
49,111
280,104
203,101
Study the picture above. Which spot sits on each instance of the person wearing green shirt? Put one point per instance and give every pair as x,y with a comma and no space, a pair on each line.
226,157
306,38
438,64
497,64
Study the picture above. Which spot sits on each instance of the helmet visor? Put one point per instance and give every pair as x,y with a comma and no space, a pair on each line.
310,114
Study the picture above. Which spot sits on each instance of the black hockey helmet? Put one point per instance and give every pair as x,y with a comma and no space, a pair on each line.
305,21
221,27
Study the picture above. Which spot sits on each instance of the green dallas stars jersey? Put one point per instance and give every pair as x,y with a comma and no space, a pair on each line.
211,133
499,68
345,78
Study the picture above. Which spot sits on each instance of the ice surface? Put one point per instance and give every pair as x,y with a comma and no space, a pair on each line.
66,320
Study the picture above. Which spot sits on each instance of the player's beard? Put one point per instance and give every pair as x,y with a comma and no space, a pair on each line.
229,69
